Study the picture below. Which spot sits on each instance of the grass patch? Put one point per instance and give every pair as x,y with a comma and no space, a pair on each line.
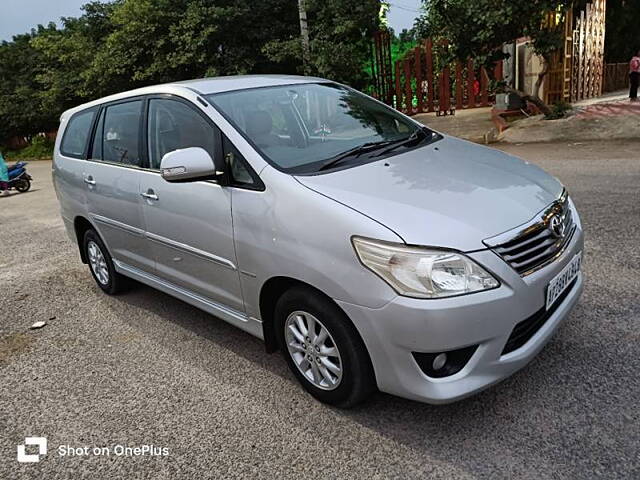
40,147
559,110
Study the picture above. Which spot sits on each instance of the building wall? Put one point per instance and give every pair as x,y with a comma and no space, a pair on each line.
529,66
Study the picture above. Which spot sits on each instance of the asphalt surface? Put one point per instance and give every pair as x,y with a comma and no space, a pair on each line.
143,368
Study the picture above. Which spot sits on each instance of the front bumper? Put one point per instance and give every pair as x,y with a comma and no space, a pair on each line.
486,319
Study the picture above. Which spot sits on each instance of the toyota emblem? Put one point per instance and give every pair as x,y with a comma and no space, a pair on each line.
556,226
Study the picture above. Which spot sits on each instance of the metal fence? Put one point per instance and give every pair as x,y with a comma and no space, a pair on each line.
616,76
421,84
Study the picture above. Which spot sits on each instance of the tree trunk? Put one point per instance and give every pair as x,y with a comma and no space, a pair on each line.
541,77
304,33
525,97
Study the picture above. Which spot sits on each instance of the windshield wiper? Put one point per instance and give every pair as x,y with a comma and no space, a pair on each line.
355,152
420,134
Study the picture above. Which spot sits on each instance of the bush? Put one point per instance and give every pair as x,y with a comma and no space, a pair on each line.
40,147
559,110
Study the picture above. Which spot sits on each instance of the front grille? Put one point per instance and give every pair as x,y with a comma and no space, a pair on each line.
540,241
525,330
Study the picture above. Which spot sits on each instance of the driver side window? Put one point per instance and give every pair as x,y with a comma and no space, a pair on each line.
174,125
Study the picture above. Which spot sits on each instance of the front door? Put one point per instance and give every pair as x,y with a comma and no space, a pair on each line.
112,181
188,225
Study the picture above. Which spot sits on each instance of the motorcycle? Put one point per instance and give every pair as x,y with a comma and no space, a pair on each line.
19,178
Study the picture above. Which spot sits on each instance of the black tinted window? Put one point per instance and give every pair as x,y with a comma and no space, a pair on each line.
174,125
121,133
238,168
76,134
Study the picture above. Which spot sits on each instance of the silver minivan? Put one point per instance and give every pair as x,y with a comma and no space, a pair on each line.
373,252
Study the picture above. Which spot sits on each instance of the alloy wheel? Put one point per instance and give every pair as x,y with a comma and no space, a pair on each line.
313,350
98,263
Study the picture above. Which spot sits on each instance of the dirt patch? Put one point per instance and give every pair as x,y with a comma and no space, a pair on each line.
13,345
474,124
606,121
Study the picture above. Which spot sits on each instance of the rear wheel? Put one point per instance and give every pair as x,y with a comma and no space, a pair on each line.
323,349
101,264
22,185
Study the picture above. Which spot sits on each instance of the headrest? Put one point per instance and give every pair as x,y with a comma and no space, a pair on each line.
259,122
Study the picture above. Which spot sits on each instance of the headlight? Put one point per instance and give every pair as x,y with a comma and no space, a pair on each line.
421,272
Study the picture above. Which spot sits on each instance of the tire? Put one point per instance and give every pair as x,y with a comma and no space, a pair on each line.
103,272
22,185
355,380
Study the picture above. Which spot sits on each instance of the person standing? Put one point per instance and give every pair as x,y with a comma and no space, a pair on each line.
4,177
634,77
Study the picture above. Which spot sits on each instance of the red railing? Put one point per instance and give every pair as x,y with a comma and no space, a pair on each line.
420,86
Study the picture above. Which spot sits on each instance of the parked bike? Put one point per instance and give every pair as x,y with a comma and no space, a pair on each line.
19,179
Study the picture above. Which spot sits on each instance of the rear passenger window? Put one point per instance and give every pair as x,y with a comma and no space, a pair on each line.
174,125
118,134
76,134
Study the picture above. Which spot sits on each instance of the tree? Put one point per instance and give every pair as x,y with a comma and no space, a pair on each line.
479,29
339,38
44,72
66,53
304,34
168,40
123,44
19,107
621,40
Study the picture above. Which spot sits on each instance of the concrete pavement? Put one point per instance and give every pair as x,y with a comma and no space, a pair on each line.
143,368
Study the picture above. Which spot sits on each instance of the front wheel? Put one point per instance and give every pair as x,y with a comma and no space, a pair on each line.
323,349
101,264
22,185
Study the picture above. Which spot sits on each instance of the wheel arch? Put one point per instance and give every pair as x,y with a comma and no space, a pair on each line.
80,226
270,292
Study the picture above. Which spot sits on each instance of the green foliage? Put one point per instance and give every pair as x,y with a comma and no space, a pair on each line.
65,55
124,44
403,43
400,45
478,28
622,41
559,110
19,88
340,40
156,41
39,147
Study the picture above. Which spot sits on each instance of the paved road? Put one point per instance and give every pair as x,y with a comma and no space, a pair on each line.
143,368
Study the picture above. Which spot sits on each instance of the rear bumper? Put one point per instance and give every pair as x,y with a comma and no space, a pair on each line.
486,319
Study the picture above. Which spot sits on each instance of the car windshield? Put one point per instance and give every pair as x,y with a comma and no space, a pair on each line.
308,127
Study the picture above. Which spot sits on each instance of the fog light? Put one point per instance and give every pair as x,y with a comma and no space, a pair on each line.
444,364
439,361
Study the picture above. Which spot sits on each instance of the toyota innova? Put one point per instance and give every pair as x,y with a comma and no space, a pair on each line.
373,252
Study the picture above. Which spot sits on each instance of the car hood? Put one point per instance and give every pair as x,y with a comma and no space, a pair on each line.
450,194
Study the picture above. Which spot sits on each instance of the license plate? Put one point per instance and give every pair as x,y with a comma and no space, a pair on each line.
562,281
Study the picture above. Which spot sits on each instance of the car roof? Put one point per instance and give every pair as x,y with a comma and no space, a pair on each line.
208,86
205,86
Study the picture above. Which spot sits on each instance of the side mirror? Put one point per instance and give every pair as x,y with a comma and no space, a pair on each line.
188,164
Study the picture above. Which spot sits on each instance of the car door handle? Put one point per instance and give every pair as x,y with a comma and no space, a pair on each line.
89,180
150,195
